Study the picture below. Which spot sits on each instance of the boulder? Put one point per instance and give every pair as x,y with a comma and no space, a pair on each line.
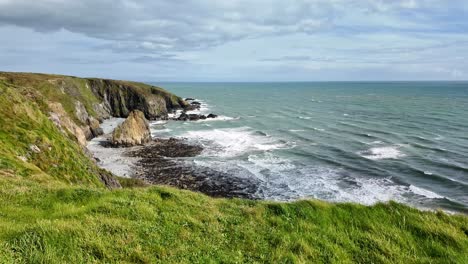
212,116
133,131
95,127
194,117
183,117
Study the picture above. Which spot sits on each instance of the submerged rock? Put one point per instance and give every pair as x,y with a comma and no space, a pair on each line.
133,131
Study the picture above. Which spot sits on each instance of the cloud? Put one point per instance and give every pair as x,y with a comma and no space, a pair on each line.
167,25
230,38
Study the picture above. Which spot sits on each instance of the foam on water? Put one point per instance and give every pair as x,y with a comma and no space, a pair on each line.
231,142
110,124
424,192
218,118
386,152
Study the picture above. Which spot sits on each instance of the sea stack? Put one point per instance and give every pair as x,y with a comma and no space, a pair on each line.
133,131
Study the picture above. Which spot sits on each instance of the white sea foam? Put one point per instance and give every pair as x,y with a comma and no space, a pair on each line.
424,192
174,114
158,132
218,118
379,153
376,142
159,122
110,124
305,117
329,184
296,130
230,142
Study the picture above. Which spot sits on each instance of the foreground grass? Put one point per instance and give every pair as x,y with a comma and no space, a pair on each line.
63,224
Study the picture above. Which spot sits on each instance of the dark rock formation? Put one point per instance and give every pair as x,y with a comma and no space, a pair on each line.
120,98
159,165
109,180
193,117
133,131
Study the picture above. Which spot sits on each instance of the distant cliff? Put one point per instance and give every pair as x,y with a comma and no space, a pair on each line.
43,116
79,104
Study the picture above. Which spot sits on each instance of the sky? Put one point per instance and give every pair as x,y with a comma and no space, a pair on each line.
237,40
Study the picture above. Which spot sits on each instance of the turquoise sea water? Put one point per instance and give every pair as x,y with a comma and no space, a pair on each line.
343,141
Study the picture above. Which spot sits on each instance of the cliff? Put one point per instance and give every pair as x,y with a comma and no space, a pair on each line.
56,205
77,104
51,113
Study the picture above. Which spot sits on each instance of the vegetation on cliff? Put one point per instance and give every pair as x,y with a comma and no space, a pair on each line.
55,206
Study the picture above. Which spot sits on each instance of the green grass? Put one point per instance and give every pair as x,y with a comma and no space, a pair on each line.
54,209
23,124
155,224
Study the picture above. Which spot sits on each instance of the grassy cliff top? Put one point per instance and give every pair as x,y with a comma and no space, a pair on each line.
54,208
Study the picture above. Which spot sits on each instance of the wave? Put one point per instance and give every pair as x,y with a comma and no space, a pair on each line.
424,192
379,153
231,142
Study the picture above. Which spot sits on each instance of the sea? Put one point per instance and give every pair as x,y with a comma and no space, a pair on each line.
361,142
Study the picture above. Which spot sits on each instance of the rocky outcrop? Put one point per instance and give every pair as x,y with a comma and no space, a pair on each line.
120,98
133,131
61,119
194,117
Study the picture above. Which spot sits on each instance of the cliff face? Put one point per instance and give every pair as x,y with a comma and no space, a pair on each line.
119,98
77,105
44,119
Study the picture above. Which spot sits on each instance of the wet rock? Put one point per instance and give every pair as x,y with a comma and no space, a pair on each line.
212,116
133,131
194,117
160,163
189,99
183,117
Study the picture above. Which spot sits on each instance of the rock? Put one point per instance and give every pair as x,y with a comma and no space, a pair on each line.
133,131
119,98
194,117
191,107
95,127
158,164
80,112
212,116
102,111
189,99
23,158
34,148
183,117
109,180
195,103
63,122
